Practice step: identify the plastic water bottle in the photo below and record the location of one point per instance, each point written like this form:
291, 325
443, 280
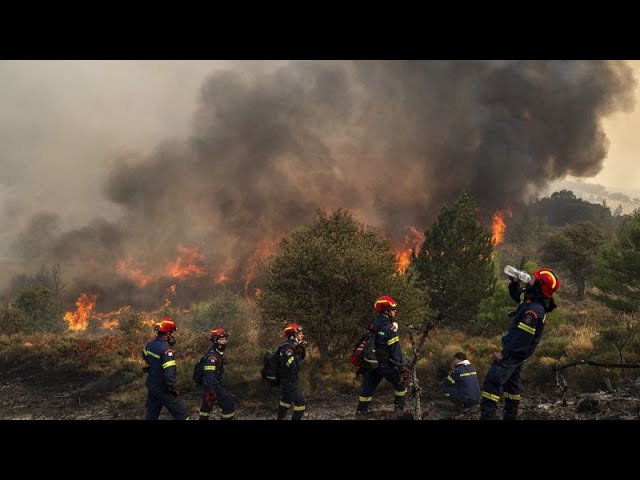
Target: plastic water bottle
519, 274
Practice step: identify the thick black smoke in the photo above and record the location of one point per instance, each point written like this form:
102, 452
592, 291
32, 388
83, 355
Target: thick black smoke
392, 141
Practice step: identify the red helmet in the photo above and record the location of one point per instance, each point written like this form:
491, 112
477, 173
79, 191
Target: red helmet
165, 325
549, 283
217, 334
384, 303
292, 329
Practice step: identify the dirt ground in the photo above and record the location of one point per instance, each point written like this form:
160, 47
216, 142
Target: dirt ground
29, 393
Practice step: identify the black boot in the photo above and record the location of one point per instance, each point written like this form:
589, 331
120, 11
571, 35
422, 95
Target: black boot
488, 410
510, 409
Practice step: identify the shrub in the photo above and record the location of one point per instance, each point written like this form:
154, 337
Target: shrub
130, 323
227, 310
35, 309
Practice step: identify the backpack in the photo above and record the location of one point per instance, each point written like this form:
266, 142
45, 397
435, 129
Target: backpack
271, 368
198, 370
364, 353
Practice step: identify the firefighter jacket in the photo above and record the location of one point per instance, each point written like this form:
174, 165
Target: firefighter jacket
525, 331
462, 384
290, 360
213, 369
162, 363
387, 341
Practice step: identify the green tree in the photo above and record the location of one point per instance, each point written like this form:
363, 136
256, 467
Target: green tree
618, 278
327, 275
492, 318
455, 262
576, 249
35, 309
563, 208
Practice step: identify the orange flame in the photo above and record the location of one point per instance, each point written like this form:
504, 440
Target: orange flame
127, 268
188, 263
223, 273
411, 243
263, 249
110, 320
79, 319
498, 227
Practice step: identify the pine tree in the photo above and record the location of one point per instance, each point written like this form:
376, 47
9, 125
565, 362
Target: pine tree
455, 262
619, 277
576, 249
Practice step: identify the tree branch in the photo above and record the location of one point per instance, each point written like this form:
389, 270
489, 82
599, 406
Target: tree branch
414, 382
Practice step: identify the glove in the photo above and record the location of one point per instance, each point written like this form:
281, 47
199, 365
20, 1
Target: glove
172, 389
404, 374
211, 397
146, 369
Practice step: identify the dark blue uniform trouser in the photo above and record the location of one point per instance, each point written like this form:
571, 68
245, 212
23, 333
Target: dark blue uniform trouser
290, 394
370, 382
158, 397
217, 396
504, 374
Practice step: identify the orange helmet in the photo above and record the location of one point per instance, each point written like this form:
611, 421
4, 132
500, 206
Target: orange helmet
292, 329
549, 283
384, 303
165, 325
217, 334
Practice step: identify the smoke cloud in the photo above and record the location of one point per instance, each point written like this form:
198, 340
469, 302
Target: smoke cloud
392, 141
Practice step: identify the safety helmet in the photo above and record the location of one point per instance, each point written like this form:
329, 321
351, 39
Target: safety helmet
165, 325
549, 283
384, 303
291, 329
217, 334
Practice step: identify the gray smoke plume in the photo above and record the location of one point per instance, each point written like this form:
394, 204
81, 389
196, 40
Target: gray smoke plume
392, 141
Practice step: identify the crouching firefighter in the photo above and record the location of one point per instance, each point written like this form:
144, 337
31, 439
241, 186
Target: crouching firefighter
212, 370
391, 364
518, 344
161, 373
461, 385
291, 355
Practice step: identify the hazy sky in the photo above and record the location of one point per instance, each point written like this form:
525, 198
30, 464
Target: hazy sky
622, 165
63, 123
223, 153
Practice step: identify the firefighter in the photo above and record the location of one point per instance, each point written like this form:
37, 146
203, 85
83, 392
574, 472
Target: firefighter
291, 355
518, 344
212, 390
461, 385
391, 362
161, 370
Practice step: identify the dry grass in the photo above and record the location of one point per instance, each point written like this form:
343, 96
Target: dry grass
572, 333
